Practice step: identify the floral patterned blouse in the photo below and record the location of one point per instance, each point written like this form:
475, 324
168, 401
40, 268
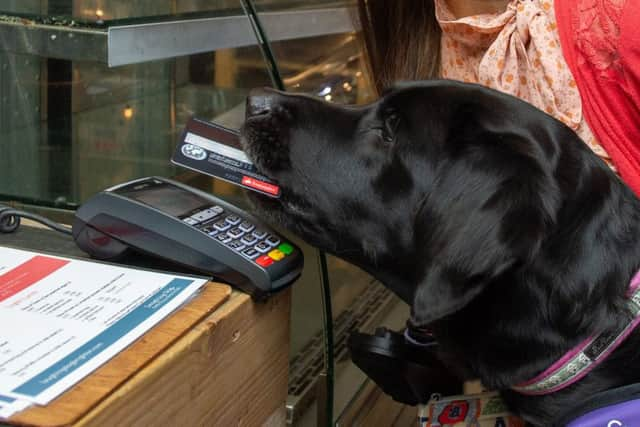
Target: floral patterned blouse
518, 52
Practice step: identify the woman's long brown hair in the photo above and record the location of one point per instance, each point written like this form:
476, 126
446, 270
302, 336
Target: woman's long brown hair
401, 40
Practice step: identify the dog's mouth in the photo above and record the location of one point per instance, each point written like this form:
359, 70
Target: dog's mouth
265, 138
261, 142
289, 211
265, 134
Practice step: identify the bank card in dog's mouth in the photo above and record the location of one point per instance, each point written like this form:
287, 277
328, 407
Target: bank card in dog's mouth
215, 150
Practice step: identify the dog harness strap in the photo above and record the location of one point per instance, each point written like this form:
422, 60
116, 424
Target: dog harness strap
583, 358
622, 414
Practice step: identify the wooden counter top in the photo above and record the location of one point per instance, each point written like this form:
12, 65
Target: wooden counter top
221, 360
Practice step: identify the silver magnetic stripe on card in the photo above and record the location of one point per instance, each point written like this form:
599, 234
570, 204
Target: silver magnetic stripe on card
216, 147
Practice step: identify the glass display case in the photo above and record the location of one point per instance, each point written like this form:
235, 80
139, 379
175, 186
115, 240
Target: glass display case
96, 92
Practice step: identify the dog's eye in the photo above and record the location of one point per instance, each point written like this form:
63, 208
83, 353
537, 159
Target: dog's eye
391, 123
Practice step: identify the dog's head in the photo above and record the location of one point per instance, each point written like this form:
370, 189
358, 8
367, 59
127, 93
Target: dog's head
437, 188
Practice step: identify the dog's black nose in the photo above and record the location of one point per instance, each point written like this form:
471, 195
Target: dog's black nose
261, 101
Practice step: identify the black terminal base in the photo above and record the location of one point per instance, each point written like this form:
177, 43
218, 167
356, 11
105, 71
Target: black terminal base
409, 373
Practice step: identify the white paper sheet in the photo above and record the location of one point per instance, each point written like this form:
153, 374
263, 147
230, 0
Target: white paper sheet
10, 406
60, 318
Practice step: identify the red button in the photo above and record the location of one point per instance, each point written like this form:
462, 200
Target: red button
264, 261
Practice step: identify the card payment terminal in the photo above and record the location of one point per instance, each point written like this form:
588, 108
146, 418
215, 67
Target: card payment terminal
170, 220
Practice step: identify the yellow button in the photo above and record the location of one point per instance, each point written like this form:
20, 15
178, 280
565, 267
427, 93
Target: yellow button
276, 255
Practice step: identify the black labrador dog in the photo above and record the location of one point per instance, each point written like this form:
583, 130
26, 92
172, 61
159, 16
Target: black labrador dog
505, 234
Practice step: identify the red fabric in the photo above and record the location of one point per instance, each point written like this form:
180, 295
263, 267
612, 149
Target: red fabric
601, 43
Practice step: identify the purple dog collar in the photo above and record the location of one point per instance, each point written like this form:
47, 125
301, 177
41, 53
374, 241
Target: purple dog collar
580, 360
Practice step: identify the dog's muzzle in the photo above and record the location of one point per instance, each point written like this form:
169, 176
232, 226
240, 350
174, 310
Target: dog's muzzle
266, 130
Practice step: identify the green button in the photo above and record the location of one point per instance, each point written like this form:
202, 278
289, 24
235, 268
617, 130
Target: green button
286, 248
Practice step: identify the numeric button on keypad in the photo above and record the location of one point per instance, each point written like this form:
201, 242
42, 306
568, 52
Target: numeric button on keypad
272, 240
246, 226
250, 253
235, 233
233, 219
249, 239
236, 245
224, 238
221, 225
262, 247
259, 233
207, 228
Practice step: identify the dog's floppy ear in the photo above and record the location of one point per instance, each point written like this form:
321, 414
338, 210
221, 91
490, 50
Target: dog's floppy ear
480, 221
444, 291
468, 249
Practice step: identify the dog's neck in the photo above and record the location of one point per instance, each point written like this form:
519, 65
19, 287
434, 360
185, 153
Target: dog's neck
530, 316
496, 327
526, 320
580, 360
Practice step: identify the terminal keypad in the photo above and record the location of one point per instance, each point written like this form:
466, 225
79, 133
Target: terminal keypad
240, 235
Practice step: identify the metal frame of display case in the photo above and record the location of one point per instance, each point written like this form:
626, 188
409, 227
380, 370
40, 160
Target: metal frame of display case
149, 41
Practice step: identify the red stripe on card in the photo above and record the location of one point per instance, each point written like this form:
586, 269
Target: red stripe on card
28, 273
261, 185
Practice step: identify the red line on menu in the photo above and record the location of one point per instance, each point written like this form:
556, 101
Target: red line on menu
28, 273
